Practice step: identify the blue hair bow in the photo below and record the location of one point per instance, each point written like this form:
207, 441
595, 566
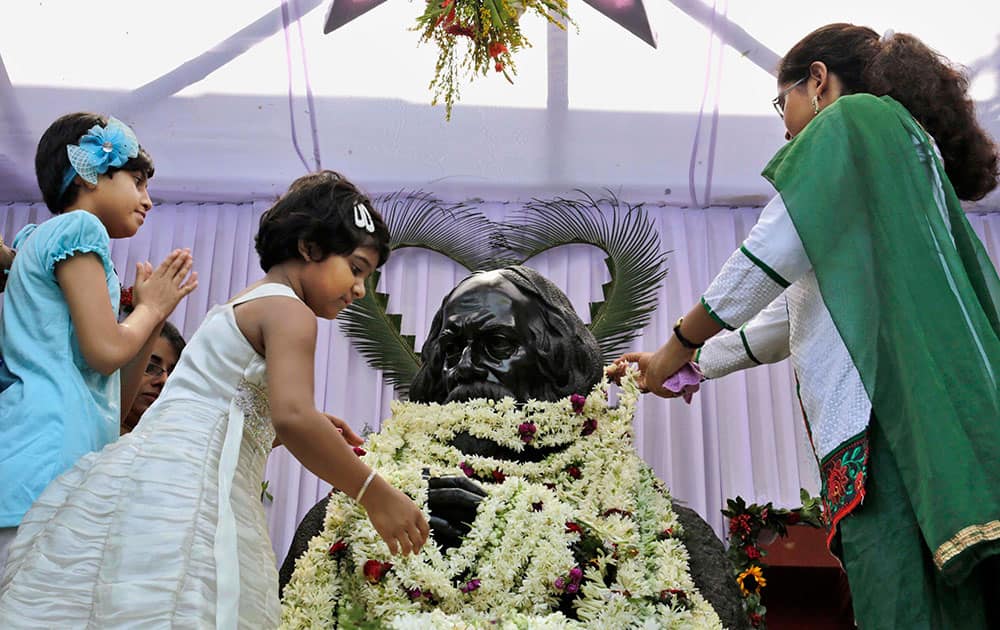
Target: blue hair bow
99, 149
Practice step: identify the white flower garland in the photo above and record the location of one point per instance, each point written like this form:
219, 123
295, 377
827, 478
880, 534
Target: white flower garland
588, 528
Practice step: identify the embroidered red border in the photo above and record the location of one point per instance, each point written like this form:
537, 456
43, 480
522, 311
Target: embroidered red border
843, 473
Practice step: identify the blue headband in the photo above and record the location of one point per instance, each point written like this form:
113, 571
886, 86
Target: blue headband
99, 149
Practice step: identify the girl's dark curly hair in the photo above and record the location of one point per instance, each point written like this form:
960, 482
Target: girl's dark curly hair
934, 90
318, 210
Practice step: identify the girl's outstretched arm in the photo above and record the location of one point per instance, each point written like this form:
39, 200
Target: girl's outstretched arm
105, 344
288, 334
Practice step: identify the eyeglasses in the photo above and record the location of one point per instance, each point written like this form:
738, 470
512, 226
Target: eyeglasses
779, 100
155, 370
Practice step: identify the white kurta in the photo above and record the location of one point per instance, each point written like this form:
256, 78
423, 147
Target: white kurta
768, 299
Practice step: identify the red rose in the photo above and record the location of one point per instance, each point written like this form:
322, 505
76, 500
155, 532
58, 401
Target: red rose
359, 451
375, 570
338, 547
498, 475
573, 528
573, 471
752, 552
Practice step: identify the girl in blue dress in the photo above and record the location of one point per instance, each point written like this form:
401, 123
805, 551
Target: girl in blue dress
68, 363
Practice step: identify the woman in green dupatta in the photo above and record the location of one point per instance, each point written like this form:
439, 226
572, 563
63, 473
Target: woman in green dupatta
865, 270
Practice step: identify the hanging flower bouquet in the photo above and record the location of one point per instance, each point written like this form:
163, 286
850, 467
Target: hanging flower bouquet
494, 34
584, 538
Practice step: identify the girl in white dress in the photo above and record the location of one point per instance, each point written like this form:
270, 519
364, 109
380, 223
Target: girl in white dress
165, 528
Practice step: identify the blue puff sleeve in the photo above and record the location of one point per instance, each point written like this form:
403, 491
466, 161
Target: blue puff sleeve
74, 233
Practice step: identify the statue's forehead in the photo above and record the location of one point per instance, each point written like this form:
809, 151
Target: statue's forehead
487, 295
486, 286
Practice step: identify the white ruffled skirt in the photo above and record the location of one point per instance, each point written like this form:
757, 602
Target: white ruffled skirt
132, 537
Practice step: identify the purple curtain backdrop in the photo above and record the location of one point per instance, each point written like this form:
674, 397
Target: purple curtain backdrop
742, 435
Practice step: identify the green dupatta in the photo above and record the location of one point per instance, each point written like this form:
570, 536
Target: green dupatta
916, 307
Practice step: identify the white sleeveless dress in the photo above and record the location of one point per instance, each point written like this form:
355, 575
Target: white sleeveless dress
165, 527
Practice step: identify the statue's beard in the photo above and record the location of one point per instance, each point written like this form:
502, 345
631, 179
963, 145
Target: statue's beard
471, 445
481, 389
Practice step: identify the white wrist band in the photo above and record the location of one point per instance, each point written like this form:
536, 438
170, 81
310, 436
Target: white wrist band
364, 486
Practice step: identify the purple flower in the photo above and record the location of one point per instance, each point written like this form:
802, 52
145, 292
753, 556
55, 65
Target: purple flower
578, 401
560, 583
572, 588
470, 586
467, 469
589, 426
527, 431
414, 593
575, 574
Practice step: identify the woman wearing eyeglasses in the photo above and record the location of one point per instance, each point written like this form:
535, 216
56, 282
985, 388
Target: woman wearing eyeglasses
166, 353
865, 271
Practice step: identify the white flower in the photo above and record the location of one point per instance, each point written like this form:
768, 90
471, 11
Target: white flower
519, 544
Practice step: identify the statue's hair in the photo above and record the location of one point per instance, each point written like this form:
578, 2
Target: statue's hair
569, 355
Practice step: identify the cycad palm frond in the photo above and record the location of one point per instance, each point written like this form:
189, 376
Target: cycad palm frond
414, 220
634, 259
454, 230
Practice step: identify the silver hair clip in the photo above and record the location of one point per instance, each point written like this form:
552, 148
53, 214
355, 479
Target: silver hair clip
363, 218
887, 35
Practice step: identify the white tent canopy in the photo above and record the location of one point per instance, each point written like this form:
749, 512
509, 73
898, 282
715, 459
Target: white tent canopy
207, 85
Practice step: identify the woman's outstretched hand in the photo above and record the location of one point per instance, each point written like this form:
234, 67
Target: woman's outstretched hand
655, 367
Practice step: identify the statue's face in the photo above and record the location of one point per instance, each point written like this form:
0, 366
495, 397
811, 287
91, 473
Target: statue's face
485, 341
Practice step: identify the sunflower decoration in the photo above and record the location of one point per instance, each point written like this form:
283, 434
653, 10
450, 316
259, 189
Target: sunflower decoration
477, 36
751, 581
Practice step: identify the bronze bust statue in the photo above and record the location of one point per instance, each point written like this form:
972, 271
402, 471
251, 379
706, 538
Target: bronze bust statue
513, 333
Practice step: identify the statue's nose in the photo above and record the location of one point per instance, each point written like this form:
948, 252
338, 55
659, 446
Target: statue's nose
466, 365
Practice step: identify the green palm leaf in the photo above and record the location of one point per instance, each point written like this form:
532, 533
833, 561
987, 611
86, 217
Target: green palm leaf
634, 260
414, 220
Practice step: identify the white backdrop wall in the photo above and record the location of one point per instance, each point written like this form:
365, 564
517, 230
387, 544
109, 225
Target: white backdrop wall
742, 435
